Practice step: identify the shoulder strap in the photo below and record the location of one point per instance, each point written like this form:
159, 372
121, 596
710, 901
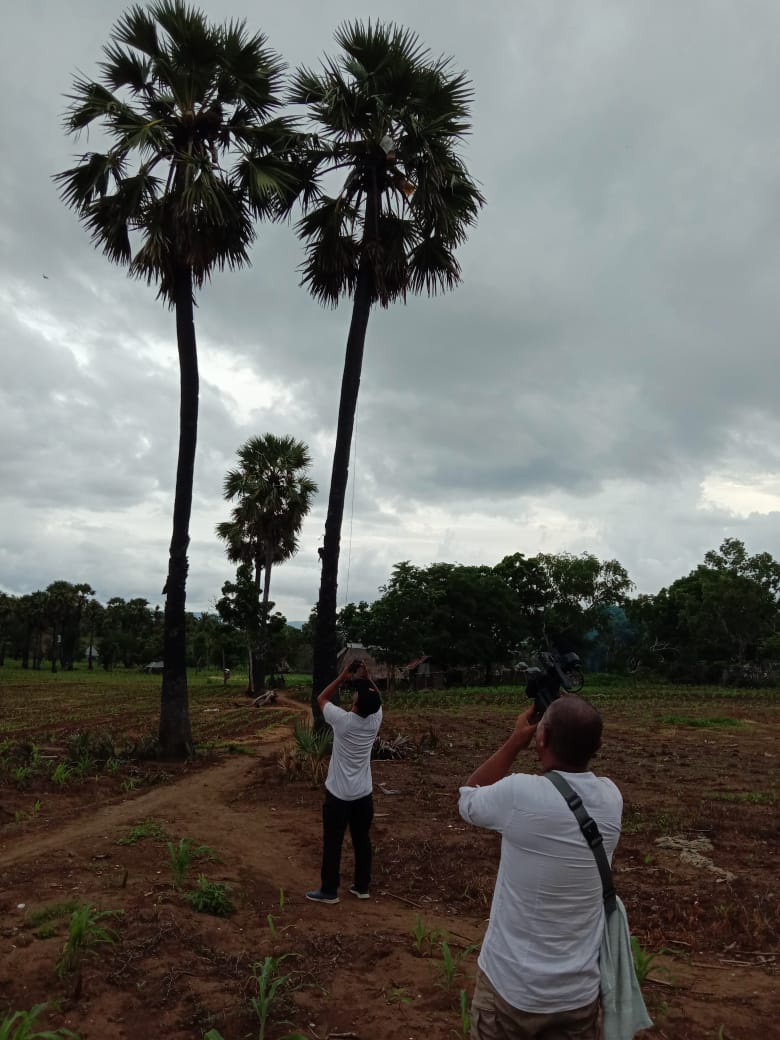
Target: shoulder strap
592, 835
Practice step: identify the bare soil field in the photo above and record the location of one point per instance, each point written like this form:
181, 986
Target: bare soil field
696, 867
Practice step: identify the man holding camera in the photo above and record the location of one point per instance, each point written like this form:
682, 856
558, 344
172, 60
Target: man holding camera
538, 971
348, 786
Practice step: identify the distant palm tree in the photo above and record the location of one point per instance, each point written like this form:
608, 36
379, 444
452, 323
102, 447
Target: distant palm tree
192, 158
273, 495
387, 118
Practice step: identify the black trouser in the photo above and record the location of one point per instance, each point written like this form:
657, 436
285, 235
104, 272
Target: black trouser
336, 815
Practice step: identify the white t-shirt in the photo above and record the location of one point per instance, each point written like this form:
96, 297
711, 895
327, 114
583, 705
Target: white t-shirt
349, 771
541, 948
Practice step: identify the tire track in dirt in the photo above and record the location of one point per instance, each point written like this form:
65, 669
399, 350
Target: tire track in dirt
193, 799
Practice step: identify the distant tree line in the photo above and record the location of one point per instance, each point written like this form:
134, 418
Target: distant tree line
65, 626
720, 623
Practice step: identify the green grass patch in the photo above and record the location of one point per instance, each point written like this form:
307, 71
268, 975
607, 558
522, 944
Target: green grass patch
147, 829
743, 797
714, 722
47, 917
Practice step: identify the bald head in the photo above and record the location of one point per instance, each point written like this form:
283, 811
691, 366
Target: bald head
571, 731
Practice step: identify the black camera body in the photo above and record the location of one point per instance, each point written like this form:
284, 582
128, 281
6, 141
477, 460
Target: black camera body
544, 684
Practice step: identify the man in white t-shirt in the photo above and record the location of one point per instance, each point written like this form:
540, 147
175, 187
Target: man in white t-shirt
539, 964
349, 800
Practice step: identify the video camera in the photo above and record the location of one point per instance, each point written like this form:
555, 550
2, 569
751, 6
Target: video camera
544, 684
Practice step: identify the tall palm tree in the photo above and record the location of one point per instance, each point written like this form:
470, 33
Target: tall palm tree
273, 494
194, 154
388, 118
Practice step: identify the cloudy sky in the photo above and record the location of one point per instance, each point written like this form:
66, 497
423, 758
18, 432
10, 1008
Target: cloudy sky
604, 379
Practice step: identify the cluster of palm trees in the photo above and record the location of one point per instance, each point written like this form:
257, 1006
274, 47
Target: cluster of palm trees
198, 152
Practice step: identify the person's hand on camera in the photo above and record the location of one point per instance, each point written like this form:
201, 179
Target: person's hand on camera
525, 728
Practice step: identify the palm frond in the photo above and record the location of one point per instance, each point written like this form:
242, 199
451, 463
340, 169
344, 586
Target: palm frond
433, 267
122, 68
81, 185
137, 28
388, 116
192, 101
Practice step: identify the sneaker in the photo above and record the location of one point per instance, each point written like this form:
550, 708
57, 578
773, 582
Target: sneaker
359, 894
319, 896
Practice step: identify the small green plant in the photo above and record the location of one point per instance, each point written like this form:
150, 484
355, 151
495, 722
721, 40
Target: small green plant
643, 960
85, 933
147, 829
62, 773
465, 1013
22, 775
131, 784
281, 899
276, 930
399, 995
182, 857
313, 748
450, 962
269, 981
422, 935
45, 918
649, 859
113, 765
20, 1025
211, 897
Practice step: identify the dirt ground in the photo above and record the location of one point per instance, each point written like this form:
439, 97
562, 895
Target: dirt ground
696, 867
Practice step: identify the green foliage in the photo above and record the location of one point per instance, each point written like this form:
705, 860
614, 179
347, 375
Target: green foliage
312, 749
183, 855
211, 897
423, 935
147, 829
718, 722
51, 913
84, 935
465, 1013
743, 797
271, 984
451, 962
643, 960
20, 1025
62, 774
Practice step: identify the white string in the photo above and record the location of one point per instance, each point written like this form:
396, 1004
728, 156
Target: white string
352, 511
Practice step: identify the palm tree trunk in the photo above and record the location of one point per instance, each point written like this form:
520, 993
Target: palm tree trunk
325, 643
175, 734
261, 659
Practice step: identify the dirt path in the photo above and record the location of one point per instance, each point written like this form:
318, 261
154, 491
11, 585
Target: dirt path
177, 973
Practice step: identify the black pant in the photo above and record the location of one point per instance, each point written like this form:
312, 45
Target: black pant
336, 815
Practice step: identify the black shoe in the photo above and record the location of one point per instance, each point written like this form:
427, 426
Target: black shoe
319, 896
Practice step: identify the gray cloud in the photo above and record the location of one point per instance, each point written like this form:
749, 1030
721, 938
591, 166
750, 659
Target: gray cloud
608, 356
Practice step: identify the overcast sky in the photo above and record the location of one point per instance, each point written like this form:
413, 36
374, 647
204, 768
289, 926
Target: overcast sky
603, 380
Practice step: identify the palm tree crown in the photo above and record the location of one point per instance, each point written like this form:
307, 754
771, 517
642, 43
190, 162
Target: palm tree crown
273, 496
388, 116
193, 154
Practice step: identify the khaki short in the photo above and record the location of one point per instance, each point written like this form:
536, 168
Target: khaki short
493, 1019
